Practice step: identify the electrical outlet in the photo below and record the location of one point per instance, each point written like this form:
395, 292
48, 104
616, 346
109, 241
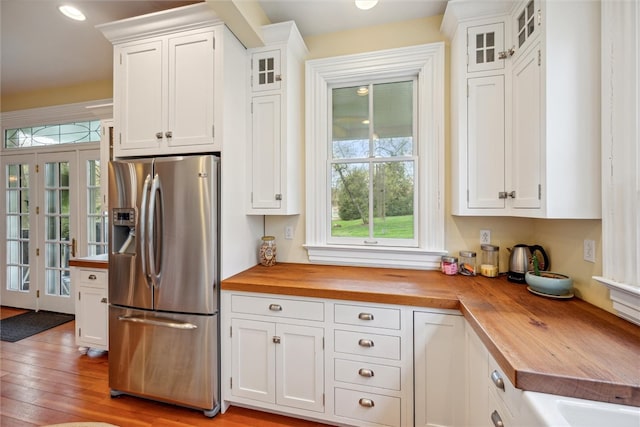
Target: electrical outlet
485, 237
589, 250
288, 232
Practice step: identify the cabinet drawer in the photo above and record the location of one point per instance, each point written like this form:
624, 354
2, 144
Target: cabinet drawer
365, 344
374, 408
369, 374
378, 317
92, 277
279, 307
510, 395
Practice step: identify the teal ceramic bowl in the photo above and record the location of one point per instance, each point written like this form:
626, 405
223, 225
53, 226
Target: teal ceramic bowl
549, 283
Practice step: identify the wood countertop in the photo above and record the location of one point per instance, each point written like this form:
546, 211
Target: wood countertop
96, 261
563, 347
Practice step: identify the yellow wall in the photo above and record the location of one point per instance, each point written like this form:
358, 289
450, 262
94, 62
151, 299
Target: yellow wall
57, 96
562, 239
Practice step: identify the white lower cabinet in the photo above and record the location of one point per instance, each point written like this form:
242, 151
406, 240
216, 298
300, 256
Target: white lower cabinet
274, 357
438, 361
92, 308
491, 398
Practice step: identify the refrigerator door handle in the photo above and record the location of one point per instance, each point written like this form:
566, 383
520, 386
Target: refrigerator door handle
158, 321
155, 267
143, 230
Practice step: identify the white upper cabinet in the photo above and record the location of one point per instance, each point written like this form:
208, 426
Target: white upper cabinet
276, 134
164, 81
525, 108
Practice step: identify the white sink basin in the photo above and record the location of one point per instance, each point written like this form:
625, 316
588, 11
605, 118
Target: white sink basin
541, 409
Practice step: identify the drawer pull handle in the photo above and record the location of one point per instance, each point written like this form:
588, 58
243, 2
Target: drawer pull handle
364, 372
365, 316
367, 403
92, 277
275, 307
497, 380
497, 421
103, 300
365, 342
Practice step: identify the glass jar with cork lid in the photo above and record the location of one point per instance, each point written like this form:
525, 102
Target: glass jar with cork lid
267, 252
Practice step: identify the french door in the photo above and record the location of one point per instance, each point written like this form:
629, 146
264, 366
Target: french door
43, 220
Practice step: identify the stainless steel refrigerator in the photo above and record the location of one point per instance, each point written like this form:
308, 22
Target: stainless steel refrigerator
163, 280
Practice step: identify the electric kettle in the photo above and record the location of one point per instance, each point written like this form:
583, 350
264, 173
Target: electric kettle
520, 261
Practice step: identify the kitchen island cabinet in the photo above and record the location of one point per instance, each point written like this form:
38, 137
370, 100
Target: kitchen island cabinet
90, 279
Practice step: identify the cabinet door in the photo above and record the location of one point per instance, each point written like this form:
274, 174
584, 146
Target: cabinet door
526, 25
190, 87
486, 142
253, 360
485, 43
299, 369
525, 159
439, 379
266, 190
265, 70
139, 97
477, 390
92, 317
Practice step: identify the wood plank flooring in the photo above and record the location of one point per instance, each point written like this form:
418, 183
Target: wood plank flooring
45, 379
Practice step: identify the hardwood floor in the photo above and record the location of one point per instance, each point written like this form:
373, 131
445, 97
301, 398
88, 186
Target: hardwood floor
45, 379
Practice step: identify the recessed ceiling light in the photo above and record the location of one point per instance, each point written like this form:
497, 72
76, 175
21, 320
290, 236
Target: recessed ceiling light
72, 12
366, 4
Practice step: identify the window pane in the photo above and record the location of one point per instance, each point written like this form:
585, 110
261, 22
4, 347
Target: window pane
350, 136
393, 200
350, 200
94, 201
38, 136
52, 231
12, 201
393, 119
13, 227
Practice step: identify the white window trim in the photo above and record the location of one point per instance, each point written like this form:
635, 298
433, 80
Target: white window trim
621, 157
427, 62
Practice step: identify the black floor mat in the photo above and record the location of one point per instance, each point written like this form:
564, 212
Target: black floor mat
24, 325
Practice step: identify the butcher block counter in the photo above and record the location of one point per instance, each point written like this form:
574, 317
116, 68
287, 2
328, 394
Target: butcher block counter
563, 347
95, 261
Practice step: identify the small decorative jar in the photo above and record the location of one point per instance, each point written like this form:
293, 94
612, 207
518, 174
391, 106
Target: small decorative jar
467, 265
267, 253
449, 265
489, 264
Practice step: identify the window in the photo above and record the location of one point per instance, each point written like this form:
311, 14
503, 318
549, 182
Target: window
42, 136
375, 158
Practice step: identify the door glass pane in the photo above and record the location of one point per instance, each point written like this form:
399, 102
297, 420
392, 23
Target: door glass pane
96, 215
17, 244
57, 232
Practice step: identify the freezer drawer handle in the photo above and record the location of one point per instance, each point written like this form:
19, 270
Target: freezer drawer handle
275, 307
158, 322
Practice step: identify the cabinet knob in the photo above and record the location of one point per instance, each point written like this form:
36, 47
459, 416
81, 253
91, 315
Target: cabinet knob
366, 403
364, 372
275, 307
159, 135
278, 196
276, 340
278, 77
512, 194
103, 300
92, 277
363, 342
365, 316
497, 380
168, 134
497, 421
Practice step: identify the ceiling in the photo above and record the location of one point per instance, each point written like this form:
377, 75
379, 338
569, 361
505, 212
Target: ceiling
40, 48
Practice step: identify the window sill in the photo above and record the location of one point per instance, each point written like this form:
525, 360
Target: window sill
410, 258
626, 299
